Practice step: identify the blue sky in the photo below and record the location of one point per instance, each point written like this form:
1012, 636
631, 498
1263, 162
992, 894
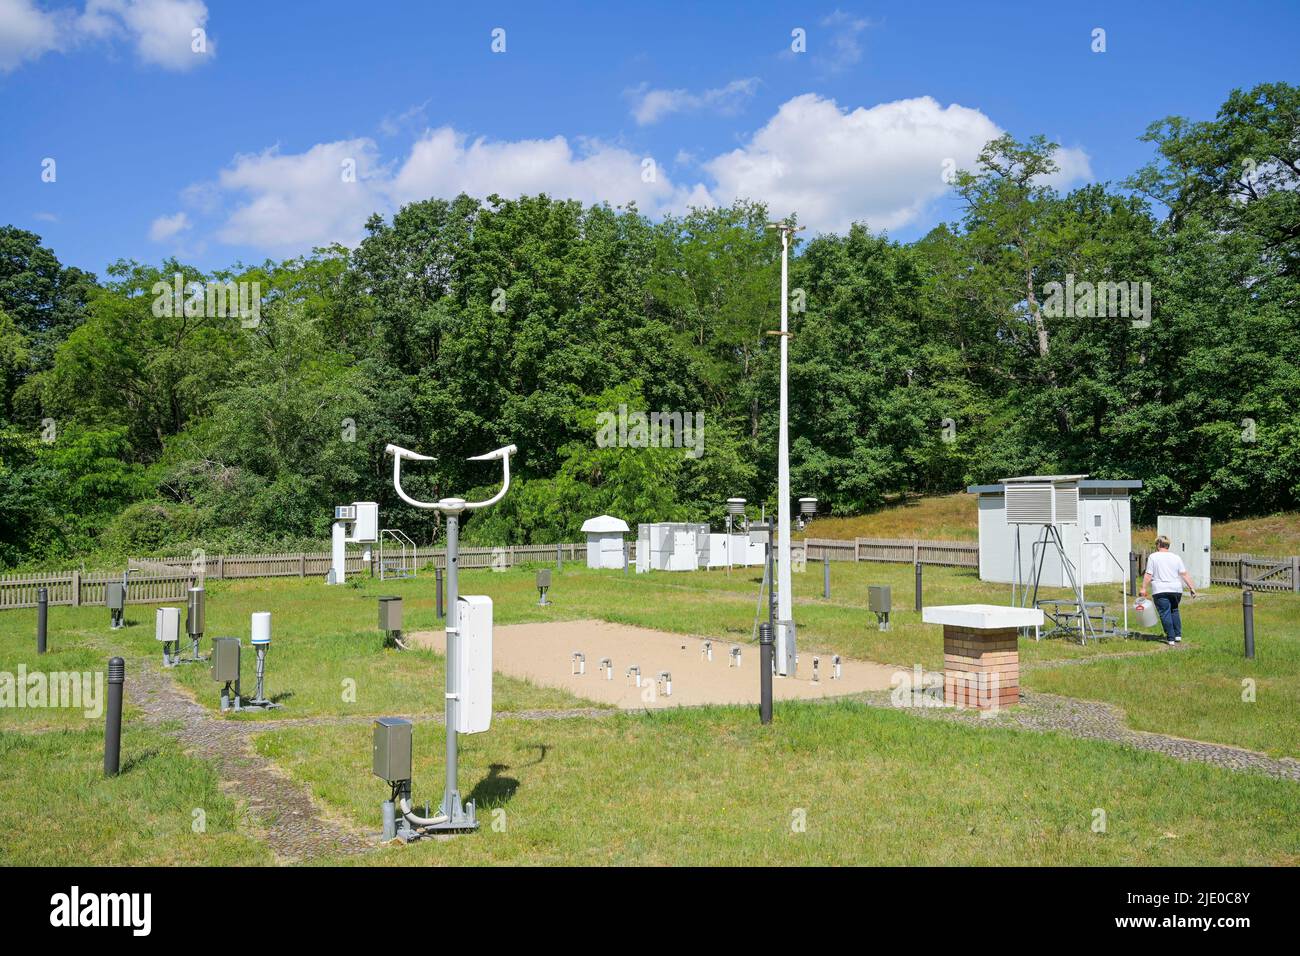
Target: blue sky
240, 151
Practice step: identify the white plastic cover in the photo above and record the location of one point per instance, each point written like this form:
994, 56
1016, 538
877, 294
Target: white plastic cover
261, 627
167, 624
474, 666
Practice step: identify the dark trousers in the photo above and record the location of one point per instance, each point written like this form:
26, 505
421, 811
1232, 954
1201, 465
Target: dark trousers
1167, 608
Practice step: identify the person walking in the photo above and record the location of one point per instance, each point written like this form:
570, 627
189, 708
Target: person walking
1165, 576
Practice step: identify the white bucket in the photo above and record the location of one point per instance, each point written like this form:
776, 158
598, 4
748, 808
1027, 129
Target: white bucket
1145, 608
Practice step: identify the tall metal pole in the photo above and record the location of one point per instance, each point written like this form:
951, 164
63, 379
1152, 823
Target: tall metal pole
451, 794
784, 610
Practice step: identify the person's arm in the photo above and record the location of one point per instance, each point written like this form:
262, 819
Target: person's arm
1146, 583
1187, 579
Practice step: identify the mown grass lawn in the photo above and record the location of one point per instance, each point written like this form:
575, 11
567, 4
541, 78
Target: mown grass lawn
164, 809
703, 785
838, 783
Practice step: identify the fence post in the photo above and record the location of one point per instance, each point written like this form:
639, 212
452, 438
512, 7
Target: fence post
1295, 573
1241, 571
221, 567
76, 589
302, 564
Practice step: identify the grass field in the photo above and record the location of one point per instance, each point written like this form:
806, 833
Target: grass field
872, 786
702, 785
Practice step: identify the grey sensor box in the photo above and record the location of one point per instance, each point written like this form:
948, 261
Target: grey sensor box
392, 748
878, 598
114, 595
390, 614
225, 659
544, 578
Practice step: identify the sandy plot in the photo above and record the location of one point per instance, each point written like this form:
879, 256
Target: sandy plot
543, 654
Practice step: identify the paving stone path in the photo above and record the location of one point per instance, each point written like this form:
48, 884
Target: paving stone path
1093, 720
288, 820
282, 811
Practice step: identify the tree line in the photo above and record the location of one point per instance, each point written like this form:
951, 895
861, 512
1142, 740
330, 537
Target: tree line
1146, 329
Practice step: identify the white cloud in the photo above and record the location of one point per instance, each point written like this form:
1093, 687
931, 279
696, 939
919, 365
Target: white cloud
1075, 166
882, 166
162, 30
287, 203
650, 106
28, 33
841, 41
164, 227
296, 201
444, 162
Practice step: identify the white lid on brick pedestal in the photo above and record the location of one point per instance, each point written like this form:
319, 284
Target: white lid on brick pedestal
982, 616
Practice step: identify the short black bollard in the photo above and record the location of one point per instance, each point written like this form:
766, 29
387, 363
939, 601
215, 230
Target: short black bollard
113, 717
1132, 572
42, 618
918, 585
765, 648
437, 573
826, 576
1248, 621
625, 561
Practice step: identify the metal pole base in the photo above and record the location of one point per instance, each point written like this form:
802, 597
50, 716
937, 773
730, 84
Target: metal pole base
194, 655
459, 817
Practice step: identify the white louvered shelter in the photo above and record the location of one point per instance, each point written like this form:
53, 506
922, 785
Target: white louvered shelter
1092, 516
605, 541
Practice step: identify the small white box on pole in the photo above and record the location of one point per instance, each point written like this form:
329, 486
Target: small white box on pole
474, 664
167, 624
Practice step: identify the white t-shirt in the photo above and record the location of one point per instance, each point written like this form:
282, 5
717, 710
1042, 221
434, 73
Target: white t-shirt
1165, 568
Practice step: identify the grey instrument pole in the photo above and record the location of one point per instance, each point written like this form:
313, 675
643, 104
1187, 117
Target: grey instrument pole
455, 814
451, 805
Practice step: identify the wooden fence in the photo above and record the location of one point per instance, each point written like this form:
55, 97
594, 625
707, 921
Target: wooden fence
954, 554
76, 588
160, 580
1258, 572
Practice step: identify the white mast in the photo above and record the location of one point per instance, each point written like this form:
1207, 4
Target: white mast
784, 610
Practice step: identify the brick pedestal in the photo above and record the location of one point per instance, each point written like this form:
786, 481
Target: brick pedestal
981, 657
981, 668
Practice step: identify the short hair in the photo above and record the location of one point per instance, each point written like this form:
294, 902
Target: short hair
1162, 543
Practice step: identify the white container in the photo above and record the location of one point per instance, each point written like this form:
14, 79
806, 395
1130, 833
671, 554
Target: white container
1145, 608
261, 627
167, 624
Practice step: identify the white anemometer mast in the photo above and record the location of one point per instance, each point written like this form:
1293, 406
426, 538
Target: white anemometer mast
461, 716
785, 653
